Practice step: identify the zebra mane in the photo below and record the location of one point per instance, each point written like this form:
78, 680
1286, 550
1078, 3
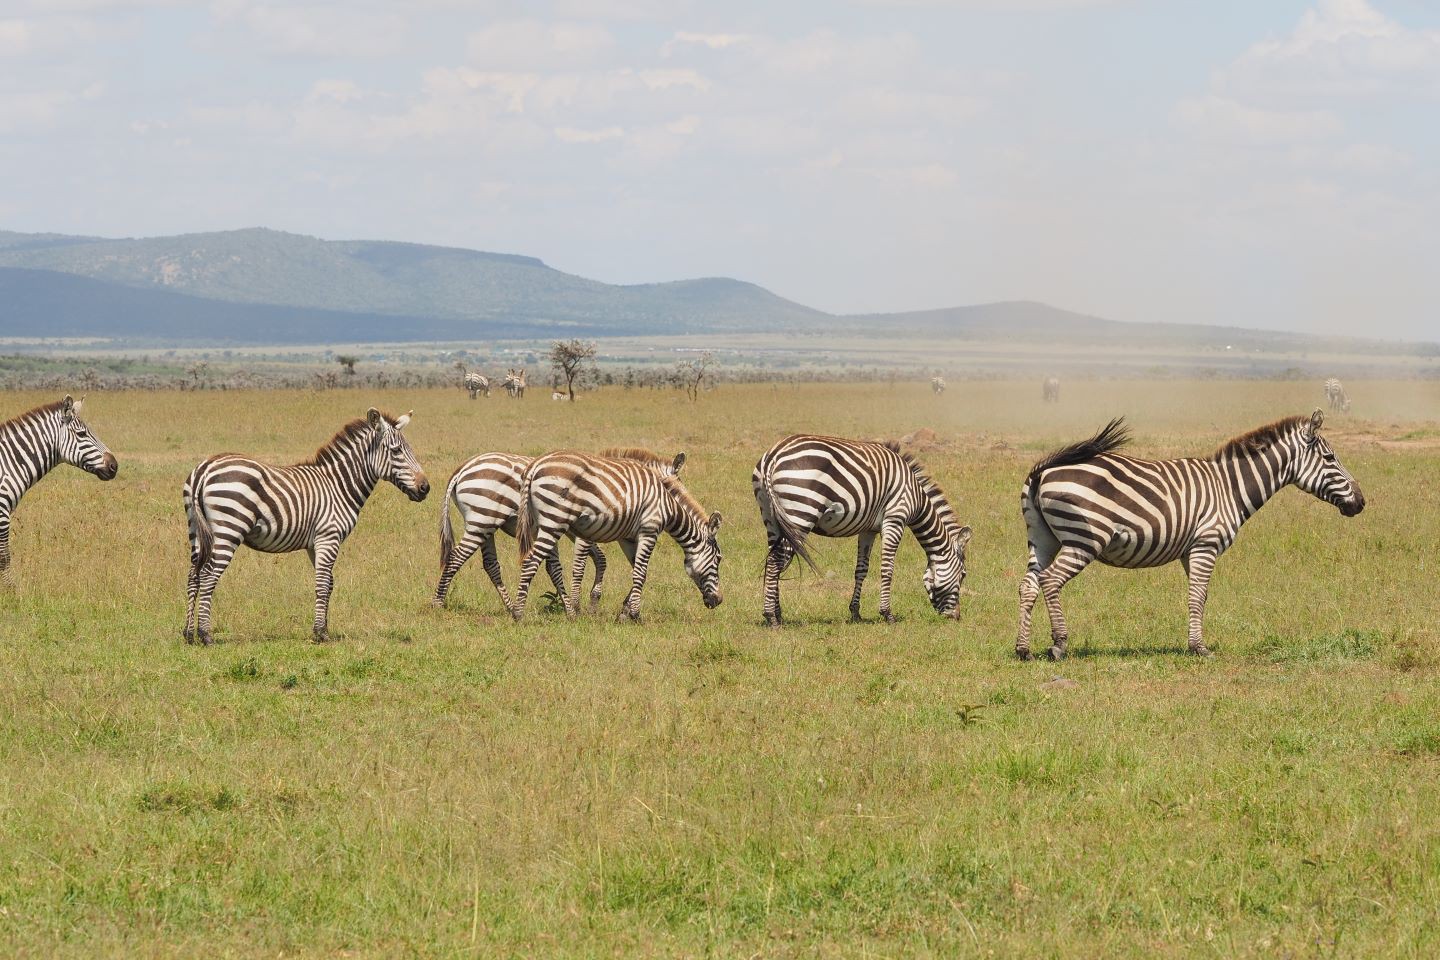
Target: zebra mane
685, 497
34, 414
927, 482
642, 454
331, 450
1258, 439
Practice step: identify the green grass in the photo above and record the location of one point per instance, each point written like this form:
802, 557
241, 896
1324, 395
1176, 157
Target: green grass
447, 783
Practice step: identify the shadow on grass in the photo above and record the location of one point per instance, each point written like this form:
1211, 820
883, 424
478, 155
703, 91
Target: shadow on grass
1122, 653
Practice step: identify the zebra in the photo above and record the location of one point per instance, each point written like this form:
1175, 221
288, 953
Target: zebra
856, 488
312, 505
515, 383
937, 385
31, 445
603, 499
1336, 396
486, 491
1085, 502
1052, 389
557, 395
476, 383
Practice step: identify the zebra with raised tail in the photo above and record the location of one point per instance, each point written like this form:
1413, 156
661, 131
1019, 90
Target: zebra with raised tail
605, 499
856, 488
1086, 502
486, 491
34, 443
1336, 396
312, 505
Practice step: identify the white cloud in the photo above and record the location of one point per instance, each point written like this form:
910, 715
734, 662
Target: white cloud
321, 30
1340, 48
1218, 118
712, 41
340, 91
573, 135
534, 45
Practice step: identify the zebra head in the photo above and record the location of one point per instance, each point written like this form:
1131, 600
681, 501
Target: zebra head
1320, 473
945, 573
78, 447
392, 457
702, 561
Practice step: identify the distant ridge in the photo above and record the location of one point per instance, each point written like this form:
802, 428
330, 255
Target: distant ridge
266, 286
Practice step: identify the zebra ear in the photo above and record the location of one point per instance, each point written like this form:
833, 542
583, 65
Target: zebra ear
963, 537
677, 463
67, 405
715, 519
404, 421
1313, 427
373, 417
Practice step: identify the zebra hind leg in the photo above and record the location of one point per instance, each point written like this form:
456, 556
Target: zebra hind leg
1068, 562
491, 562
597, 556
463, 551
7, 580
221, 554
644, 546
776, 561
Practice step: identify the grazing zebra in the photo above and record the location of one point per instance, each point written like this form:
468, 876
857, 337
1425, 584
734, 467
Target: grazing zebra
486, 491
1052, 389
515, 383
476, 383
313, 505
603, 499
34, 443
1336, 396
855, 488
1084, 502
937, 385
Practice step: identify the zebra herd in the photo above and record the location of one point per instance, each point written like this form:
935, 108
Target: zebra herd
476, 383
1084, 502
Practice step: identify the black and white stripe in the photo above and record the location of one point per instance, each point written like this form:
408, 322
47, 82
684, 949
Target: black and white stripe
855, 488
1085, 502
230, 500
1336, 396
486, 491
937, 385
604, 499
515, 383
33, 444
476, 384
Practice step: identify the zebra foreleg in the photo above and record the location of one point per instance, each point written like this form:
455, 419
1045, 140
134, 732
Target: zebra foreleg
644, 545
557, 576
890, 535
779, 557
863, 545
1067, 563
540, 551
1199, 565
7, 579
463, 551
323, 554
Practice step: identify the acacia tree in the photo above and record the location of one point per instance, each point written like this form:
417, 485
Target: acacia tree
692, 373
348, 361
569, 358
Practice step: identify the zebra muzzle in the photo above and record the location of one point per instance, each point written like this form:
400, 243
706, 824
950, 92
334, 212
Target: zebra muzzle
109, 466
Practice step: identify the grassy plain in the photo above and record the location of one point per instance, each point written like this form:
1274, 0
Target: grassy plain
446, 783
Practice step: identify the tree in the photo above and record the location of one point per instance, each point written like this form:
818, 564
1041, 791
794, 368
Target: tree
348, 361
692, 373
569, 358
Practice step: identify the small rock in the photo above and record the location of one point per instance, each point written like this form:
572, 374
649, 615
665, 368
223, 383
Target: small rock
1060, 683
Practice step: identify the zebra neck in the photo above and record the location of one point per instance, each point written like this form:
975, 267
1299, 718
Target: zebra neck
930, 524
1254, 477
28, 454
352, 473
682, 525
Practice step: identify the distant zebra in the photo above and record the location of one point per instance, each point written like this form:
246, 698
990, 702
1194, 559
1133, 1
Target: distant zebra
33, 444
515, 383
937, 385
856, 488
313, 505
1084, 502
1336, 396
486, 491
1052, 389
557, 395
604, 499
476, 383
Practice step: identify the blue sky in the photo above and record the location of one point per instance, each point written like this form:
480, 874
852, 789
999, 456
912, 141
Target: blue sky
1269, 164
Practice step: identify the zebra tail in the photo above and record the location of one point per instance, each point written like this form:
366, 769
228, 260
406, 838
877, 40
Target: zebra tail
1111, 437
204, 533
788, 531
527, 520
447, 533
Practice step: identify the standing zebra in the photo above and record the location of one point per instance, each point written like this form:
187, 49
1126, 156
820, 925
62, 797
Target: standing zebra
1052, 389
486, 491
937, 385
604, 499
313, 505
31, 445
1084, 502
476, 383
855, 488
1336, 396
515, 383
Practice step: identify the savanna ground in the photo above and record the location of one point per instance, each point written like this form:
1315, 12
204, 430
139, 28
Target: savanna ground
446, 783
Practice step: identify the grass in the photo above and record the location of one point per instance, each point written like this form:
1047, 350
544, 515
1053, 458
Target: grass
447, 783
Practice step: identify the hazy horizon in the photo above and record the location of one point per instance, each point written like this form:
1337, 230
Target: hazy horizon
1269, 166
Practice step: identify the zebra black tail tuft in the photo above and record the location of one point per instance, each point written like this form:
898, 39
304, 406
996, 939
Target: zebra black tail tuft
1112, 436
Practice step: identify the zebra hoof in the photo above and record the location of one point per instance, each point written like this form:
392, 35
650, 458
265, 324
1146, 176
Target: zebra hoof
1025, 654
320, 636
438, 603
1057, 653
887, 616
1201, 651
203, 638
772, 622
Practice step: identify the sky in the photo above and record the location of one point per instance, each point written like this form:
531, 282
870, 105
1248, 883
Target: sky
1271, 164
